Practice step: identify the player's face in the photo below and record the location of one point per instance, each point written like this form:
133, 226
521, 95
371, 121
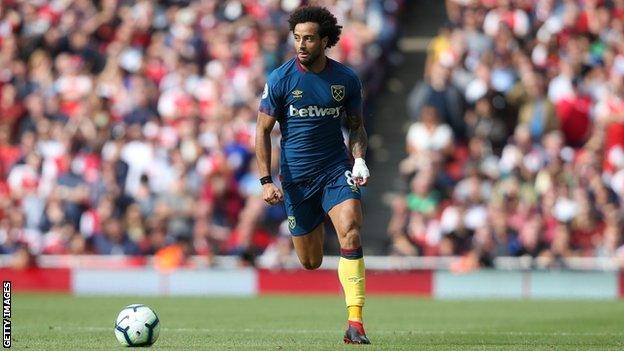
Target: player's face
308, 43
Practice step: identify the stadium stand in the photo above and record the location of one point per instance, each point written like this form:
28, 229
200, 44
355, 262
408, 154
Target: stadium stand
126, 127
516, 145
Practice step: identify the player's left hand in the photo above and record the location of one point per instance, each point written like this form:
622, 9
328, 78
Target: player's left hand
360, 172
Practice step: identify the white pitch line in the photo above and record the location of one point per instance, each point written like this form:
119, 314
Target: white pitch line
383, 332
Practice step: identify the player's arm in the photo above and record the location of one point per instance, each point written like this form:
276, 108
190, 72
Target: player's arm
358, 140
358, 143
264, 126
271, 193
271, 105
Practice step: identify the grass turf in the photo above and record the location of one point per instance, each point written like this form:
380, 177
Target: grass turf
61, 322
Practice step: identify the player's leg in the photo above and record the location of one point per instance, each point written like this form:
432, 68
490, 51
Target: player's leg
342, 201
347, 219
309, 247
305, 222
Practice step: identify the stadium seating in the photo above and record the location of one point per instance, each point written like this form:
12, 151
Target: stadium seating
516, 145
127, 127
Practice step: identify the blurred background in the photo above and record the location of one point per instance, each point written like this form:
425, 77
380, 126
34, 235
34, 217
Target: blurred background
496, 132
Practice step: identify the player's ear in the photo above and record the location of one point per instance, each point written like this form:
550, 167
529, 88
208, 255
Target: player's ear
324, 41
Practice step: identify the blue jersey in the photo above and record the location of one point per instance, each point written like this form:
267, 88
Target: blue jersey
308, 107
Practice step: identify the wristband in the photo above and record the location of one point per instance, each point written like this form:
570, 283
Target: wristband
266, 180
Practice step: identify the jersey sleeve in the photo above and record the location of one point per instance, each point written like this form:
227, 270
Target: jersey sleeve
356, 92
271, 101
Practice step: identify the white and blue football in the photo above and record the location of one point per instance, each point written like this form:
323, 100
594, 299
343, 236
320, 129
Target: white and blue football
137, 325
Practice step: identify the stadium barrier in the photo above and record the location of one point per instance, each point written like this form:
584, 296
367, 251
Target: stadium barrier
426, 277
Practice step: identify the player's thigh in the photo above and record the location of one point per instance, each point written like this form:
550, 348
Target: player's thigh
305, 222
339, 188
341, 200
303, 209
309, 247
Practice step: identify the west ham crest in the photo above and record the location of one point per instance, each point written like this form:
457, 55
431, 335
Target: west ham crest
338, 92
292, 223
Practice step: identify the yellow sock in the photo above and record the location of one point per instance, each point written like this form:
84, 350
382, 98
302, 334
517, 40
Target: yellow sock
355, 313
352, 278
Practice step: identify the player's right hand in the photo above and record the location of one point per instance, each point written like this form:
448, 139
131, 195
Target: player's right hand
272, 194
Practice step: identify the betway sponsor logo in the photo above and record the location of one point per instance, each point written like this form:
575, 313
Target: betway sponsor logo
314, 111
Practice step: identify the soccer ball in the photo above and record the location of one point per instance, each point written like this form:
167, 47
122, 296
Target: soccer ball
137, 325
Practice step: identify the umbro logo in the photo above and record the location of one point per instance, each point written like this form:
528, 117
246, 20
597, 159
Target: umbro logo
297, 94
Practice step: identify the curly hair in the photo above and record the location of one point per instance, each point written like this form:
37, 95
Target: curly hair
328, 24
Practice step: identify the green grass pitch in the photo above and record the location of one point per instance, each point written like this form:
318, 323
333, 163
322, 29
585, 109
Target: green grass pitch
62, 322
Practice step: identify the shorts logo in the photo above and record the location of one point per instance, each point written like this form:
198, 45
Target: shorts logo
292, 223
297, 94
338, 92
351, 182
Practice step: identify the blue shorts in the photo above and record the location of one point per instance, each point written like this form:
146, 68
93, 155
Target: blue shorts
307, 201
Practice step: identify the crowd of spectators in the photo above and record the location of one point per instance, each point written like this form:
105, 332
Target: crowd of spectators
516, 145
128, 125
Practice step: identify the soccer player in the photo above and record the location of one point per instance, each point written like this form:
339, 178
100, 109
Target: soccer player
308, 96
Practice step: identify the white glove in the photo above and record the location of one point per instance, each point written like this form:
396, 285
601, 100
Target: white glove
360, 173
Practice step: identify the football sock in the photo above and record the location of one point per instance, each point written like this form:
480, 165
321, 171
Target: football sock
355, 313
352, 279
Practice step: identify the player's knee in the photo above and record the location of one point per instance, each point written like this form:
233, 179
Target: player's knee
311, 263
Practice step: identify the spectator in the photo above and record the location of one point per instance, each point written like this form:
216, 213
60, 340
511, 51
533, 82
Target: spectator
537, 113
541, 171
130, 123
438, 92
114, 240
429, 134
573, 111
482, 123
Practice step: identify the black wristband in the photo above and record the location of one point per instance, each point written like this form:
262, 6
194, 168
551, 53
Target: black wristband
266, 180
